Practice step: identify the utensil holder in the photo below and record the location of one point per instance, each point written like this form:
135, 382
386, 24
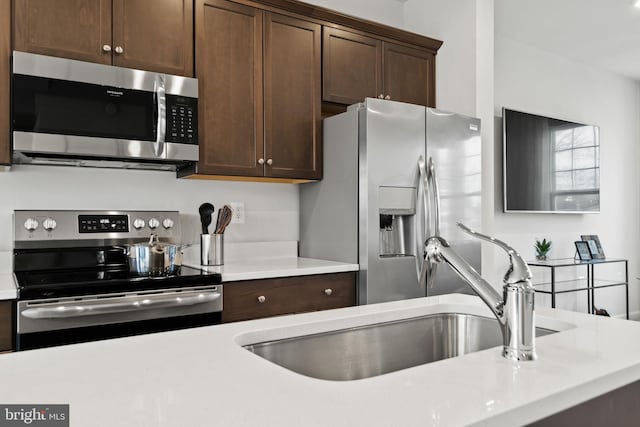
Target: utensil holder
212, 249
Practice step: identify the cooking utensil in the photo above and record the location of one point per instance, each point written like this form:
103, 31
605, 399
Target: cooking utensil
224, 218
154, 258
206, 211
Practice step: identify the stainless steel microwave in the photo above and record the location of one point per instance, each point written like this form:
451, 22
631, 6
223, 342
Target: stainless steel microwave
68, 112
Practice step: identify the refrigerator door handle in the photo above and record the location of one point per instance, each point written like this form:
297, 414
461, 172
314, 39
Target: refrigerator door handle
421, 222
431, 209
432, 182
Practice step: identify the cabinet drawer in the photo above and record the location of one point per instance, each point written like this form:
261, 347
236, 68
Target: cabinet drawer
6, 326
256, 299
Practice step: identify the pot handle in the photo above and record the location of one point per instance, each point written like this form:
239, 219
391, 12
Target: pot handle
124, 249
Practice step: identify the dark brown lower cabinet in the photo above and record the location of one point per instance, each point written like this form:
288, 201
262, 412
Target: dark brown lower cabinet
6, 326
254, 299
616, 408
5, 59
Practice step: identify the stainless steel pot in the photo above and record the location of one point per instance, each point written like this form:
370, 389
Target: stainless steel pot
154, 258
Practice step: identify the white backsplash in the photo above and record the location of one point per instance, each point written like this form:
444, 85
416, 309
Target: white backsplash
271, 210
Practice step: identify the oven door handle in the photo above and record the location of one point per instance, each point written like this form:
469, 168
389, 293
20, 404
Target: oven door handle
102, 307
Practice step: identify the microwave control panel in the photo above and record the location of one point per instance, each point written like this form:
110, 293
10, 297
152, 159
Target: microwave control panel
182, 119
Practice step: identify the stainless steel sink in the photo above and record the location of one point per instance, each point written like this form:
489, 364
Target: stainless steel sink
368, 351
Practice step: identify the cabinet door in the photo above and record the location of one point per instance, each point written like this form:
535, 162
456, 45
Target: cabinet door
351, 66
76, 29
229, 69
292, 104
6, 322
155, 36
5, 59
409, 74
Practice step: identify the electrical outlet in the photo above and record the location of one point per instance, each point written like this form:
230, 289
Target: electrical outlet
238, 212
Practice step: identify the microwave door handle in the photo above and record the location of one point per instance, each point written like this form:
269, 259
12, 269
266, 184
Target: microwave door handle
161, 99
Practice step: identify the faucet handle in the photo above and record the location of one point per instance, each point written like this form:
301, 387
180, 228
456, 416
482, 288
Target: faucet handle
518, 270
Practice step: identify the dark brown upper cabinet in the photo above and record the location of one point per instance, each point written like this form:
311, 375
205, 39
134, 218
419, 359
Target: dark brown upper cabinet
292, 104
356, 66
351, 66
155, 36
409, 74
259, 79
229, 72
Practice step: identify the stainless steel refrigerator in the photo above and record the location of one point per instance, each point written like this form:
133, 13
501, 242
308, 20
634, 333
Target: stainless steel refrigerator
372, 206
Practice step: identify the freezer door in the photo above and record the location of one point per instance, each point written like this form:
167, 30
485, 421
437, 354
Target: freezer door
391, 140
454, 144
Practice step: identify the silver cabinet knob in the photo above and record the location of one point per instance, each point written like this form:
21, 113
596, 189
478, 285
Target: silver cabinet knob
154, 223
118, 50
167, 223
328, 291
138, 223
269, 162
261, 161
49, 224
262, 299
106, 48
31, 224
381, 96
387, 97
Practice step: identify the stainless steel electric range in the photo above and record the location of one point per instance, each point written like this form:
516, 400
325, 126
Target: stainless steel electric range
75, 285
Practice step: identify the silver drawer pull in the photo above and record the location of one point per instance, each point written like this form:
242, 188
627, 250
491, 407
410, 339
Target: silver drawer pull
328, 291
262, 299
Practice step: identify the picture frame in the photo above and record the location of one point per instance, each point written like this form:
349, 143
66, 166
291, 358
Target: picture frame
595, 248
582, 247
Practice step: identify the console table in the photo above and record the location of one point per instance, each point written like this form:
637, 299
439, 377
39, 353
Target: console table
589, 285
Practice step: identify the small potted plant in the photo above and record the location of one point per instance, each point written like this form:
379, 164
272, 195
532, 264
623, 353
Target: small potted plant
542, 249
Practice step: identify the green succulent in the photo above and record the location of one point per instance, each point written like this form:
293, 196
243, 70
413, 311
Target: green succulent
543, 247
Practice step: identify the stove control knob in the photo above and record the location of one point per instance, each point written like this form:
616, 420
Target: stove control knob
154, 223
138, 223
31, 224
49, 224
167, 223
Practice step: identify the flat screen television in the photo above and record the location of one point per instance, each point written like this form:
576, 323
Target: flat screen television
549, 165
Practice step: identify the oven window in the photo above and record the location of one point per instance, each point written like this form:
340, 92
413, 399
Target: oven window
55, 106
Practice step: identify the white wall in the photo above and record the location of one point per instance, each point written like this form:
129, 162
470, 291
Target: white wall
271, 209
533, 80
389, 12
453, 22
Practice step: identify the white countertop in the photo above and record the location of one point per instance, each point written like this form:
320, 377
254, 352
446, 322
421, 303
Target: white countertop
266, 268
7, 287
203, 377
7, 283
265, 260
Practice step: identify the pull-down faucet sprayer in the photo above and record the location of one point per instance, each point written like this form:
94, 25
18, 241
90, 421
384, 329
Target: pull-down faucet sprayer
515, 310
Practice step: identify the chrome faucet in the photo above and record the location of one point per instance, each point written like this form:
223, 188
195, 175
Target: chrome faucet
514, 310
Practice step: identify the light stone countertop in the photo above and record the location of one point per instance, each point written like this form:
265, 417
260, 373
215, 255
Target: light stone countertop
265, 260
203, 377
7, 282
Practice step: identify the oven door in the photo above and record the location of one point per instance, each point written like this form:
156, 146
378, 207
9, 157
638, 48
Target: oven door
44, 323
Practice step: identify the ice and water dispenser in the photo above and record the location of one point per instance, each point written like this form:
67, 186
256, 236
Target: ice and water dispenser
397, 208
